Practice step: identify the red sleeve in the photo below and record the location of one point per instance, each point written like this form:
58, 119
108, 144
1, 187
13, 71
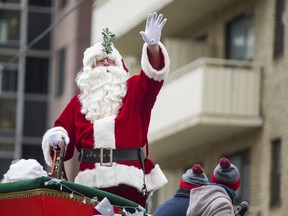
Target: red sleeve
148, 90
66, 120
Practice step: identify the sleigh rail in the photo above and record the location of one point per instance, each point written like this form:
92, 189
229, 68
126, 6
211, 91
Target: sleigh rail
51, 197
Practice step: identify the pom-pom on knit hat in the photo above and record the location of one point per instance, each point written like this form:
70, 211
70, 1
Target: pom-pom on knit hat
227, 174
194, 177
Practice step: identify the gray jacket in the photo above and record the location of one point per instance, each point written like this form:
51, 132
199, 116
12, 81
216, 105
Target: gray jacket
210, 200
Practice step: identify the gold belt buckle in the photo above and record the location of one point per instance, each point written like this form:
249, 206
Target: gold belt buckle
110, 163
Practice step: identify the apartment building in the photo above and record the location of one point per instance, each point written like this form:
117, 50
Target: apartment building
41, 48
24, 76
226, 94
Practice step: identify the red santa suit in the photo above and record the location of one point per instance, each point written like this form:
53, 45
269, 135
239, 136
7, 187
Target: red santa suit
126, 130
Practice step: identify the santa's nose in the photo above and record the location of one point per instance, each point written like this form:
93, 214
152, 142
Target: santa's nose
106, 62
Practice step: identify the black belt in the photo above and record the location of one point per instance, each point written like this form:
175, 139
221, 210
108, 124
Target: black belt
106, 156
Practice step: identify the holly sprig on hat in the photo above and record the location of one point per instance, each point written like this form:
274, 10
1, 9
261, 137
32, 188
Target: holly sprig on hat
108, 39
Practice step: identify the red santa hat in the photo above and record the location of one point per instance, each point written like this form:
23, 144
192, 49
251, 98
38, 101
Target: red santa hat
194, 177
227, 174
97, 51
104, 49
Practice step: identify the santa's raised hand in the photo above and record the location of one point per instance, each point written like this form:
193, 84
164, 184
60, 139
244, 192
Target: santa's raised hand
154, 25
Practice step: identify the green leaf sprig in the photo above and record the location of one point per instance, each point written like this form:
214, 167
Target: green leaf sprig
108, 39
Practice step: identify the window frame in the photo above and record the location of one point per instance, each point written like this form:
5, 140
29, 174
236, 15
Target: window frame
275, 174
60, 71
242, 157
245, 19
279, 31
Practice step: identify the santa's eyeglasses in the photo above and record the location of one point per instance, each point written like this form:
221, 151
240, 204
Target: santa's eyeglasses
97, 61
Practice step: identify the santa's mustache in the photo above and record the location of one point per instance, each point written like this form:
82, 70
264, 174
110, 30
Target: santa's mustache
99, 76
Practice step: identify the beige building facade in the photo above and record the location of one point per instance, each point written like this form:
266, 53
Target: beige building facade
227, 92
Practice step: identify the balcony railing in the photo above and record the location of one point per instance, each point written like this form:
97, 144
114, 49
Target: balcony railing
205, 101
183, 51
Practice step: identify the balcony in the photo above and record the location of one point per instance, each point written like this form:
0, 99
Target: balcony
126, 22
204, 102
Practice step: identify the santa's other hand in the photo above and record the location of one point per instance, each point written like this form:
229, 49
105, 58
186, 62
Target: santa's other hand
55, 139
154, 25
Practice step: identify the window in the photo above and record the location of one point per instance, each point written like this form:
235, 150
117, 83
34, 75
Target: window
61, 60
10, 1
240, 38
9, 28
8, 80
275, 173
279, 28
35, 28
35, 121
7, 116
36, 75
43, 3
241, 161
7, 146
33, 151
5, 164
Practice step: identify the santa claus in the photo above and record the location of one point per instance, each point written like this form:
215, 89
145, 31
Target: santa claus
107, 122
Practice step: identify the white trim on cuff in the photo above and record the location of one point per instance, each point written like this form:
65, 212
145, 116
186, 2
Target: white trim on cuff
46, 145
157, 75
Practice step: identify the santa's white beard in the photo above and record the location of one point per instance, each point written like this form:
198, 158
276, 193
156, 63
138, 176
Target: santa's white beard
102, 90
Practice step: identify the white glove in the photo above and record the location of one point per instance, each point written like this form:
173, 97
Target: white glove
56, 137
153, 28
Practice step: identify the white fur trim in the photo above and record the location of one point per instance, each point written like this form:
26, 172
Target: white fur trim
104, 135
96, 50
149, 70
46, 145
155, 179
102, 177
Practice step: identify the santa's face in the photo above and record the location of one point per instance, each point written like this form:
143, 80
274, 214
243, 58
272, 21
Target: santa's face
103, 61
102, 89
